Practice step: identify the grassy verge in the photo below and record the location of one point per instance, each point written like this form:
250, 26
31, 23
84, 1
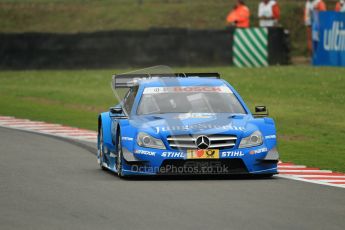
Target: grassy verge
307, 103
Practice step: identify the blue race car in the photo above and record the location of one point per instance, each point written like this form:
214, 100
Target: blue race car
184, 124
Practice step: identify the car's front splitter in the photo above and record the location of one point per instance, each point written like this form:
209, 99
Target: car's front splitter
257, 160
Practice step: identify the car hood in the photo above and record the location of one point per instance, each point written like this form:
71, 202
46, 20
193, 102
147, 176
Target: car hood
187, 123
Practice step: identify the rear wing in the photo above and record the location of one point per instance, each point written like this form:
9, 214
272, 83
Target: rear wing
130, 80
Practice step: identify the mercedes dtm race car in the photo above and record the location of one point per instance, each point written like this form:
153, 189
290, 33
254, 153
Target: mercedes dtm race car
184, 123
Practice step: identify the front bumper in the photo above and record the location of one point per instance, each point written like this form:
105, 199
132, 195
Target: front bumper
256, 160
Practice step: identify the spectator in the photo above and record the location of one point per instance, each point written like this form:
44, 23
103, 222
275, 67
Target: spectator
308, 11
239, 16
319, 5
340, 6
269, 13
312, 7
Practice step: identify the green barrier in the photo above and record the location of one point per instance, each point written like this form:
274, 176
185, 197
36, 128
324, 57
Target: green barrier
250, 47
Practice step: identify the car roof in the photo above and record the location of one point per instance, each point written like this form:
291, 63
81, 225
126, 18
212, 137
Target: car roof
181, 81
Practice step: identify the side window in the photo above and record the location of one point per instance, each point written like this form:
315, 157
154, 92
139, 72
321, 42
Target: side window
129, 100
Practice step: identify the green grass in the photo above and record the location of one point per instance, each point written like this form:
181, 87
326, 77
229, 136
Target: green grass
308, 104
71, 16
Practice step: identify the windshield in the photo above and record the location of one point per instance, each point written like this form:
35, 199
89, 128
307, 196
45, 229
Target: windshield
122, 83
194, 99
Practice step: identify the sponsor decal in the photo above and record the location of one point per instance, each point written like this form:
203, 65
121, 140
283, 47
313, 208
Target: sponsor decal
195, 116
202, 126
270, 137
127, 138
233, 154
191, 89
334, 38
173, 154
203, 154
257, 151
105, 149
144, 152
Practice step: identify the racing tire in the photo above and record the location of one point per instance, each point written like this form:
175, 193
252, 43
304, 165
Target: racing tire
119, 159
101, 154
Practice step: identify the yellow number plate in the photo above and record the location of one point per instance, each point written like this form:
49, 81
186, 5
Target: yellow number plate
203, 154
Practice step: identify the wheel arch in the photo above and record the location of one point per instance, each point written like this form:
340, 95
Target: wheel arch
105, 124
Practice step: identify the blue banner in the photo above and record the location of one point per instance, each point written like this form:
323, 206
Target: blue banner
329, 39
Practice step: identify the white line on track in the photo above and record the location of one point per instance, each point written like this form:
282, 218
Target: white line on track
301, 171
310, 181
319, 176
291, 166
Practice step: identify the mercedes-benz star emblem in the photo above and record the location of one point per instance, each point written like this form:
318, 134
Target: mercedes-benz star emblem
202, 142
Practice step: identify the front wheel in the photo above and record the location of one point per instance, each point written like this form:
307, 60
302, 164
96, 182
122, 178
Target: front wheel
119, 160
100, 150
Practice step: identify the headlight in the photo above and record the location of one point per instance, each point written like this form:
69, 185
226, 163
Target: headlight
254, 139
145, 140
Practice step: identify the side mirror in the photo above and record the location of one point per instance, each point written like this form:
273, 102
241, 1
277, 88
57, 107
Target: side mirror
117, 112
260, 111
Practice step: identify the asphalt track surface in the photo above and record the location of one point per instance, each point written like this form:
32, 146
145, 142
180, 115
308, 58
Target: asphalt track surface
51, 183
